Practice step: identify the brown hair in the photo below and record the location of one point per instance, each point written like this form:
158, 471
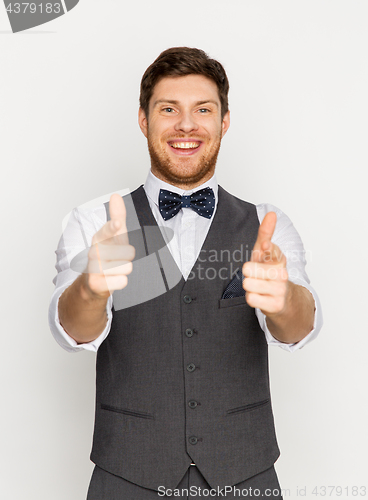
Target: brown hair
182, 61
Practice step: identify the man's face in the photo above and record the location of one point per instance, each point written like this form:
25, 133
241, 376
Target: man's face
184, 129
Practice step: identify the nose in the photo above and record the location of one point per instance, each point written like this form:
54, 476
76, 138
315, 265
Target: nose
186, 123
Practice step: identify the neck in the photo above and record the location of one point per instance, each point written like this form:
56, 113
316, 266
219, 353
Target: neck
184, 184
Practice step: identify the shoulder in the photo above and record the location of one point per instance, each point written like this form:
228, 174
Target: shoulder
83, 219
284, 226
233, 201
264, 208
129, 198
285, 236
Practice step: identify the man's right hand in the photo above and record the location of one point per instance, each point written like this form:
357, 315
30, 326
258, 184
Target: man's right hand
82, 306
110, 257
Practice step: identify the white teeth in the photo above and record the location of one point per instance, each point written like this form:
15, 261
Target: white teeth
185, 145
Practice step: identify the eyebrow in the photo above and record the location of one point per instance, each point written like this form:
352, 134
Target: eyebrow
169, 101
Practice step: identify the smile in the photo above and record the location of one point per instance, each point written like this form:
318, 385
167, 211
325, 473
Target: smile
185, 145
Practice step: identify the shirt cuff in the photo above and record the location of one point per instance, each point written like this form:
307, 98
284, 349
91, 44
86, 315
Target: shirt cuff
317, 325
61, 336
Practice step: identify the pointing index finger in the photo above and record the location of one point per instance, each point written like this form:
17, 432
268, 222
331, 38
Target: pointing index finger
265, 233
118, 211
115, 230
118, 218
267, 227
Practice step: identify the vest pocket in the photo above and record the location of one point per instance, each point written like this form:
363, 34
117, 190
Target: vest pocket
233, 301
126, 411
252, 406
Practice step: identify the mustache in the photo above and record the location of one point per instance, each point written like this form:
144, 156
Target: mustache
197, 137
178, 137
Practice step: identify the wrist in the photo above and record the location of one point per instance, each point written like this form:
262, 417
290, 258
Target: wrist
295, 321
88, 295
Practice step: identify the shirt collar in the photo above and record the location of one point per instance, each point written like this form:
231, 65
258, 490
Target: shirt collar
153, 185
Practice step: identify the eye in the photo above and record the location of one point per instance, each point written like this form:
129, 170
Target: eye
168, 110
202, 111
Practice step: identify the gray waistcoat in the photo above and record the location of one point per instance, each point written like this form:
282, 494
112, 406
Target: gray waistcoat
183, 376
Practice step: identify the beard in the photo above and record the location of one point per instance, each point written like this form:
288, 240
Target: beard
185, 171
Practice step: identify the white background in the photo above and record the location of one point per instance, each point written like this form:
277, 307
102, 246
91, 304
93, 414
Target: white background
298, 139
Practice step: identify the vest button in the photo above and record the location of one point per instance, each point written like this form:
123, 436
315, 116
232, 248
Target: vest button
189, 332
187, 299
191, 367
193, 440
192, 404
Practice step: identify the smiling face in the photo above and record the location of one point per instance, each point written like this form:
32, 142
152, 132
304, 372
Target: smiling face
184, 129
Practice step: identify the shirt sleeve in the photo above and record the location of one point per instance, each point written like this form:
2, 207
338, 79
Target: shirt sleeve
288, 240
81, 225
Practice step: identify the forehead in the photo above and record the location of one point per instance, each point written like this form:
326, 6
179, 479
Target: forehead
185, 89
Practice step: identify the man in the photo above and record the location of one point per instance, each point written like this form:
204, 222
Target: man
182, 392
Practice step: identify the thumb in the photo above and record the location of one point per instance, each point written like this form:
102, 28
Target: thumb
265, 233
118, 215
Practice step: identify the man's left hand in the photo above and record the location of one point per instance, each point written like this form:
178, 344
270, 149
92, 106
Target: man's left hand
266, 278
289, 308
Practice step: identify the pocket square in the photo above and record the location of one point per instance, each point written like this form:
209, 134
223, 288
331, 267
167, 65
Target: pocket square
235, 288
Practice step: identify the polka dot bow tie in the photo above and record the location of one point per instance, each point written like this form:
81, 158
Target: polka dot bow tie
202, 202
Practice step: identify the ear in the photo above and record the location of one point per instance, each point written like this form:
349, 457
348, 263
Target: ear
143, 121
225, 123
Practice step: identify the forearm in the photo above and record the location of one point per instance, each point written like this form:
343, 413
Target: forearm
82, 314
296, 320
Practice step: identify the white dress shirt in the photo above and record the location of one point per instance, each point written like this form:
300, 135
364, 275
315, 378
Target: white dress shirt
190, 231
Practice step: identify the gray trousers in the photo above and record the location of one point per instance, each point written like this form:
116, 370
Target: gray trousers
106, 486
